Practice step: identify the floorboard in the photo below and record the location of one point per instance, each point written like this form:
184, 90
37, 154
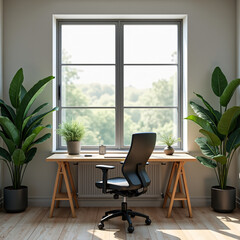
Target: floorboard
34, 224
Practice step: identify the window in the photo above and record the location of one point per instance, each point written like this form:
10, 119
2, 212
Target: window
118, 77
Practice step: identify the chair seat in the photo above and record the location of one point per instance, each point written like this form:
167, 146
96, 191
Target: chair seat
117, 183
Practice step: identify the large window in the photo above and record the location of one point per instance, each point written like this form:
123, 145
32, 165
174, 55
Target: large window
120, 77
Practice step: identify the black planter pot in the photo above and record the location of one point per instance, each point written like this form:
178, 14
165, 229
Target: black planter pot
15, 200
223, 200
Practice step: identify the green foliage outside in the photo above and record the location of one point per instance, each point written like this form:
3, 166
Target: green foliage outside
220, 129
100, 123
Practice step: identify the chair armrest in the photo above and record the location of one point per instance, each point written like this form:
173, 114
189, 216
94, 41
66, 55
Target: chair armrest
105, 169
102, 167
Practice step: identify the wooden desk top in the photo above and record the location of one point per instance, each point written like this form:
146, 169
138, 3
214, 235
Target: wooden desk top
178, 157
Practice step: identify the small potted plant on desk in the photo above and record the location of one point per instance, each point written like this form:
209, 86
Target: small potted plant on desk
221, 138
20, 128
168, 140
72, 132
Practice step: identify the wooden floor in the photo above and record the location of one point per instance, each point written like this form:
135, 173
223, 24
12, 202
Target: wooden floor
34, 223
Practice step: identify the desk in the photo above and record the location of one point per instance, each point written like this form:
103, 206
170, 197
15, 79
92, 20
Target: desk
177, 172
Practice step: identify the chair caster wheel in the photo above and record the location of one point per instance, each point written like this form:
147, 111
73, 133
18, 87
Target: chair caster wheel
100, 226
130, 229
148, 221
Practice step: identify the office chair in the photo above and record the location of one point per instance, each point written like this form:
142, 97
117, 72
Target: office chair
135, 180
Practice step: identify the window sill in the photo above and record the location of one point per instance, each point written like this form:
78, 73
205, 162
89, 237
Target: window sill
114, 152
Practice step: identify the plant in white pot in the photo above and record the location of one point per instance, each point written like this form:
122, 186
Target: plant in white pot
72, 132
221, 138
20, 129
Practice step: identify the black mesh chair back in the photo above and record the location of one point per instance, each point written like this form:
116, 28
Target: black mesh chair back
133, 168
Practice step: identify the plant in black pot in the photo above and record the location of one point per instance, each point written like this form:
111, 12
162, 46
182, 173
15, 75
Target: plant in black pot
221, 138
20, 129
72, 132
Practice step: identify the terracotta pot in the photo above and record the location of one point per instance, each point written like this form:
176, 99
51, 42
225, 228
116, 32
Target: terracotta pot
168, 150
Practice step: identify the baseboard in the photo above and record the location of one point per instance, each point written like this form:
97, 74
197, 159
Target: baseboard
40, 201
200, 201
110, 202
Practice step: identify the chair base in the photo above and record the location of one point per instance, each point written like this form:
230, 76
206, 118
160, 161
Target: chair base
126, 215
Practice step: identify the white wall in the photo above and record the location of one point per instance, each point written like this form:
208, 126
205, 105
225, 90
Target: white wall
211, 42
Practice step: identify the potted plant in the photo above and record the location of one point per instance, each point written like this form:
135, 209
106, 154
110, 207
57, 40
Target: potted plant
168, 140
221, 137
20, 128
72, 132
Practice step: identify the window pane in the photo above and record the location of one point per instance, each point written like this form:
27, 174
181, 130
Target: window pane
88, 43
88, 86
150, 43
99, 125
150, 86
161, 121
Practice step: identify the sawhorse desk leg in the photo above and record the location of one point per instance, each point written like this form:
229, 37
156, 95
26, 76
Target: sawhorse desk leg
64, 172
178, 170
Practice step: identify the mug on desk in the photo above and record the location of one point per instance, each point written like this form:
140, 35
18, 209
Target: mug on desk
102, 150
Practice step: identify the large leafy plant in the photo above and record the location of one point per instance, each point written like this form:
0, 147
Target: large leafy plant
20, 127
220, 129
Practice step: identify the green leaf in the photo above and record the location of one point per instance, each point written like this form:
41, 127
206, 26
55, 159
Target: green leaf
23, 92
9, 143
218, 115
221, 159
30, 154
219, 82
228, 92
28, 141
201, 122
39, 108
5, 154
38, 129
29, 98
227, 119
206, 148
209, 107
15, 88
202, 112
212, 139
33, 122
33, 113
26, 121
42, 139
233, 140
206, 162
234, 125
10, 129
7, 111
18, 157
